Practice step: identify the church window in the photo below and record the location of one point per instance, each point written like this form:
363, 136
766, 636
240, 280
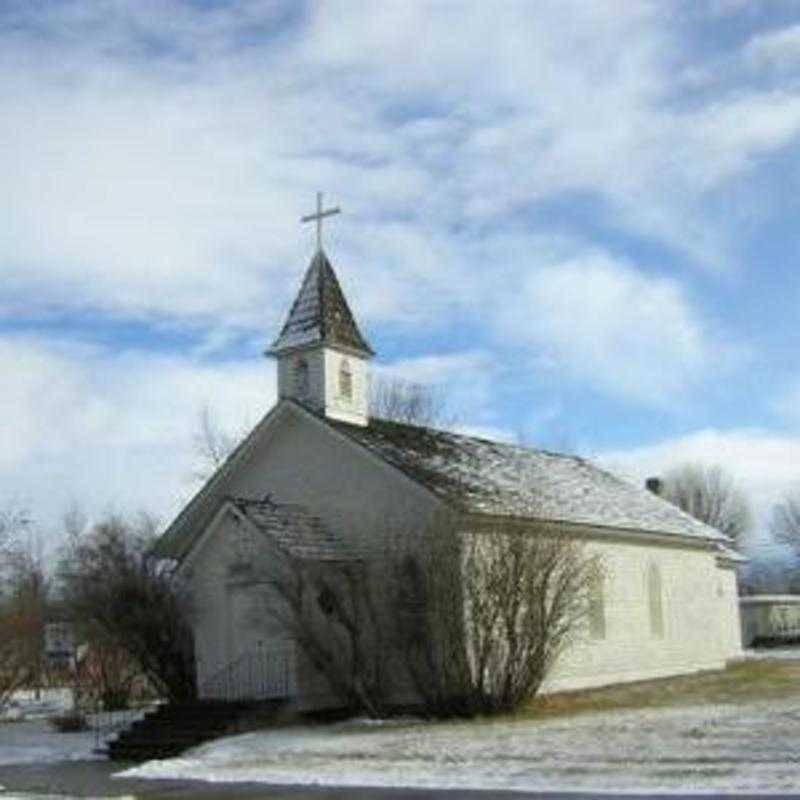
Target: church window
327, 601
597, 609
655, 601
301, 378
411, 619
345, 380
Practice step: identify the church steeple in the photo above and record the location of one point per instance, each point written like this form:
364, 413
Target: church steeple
322, 356
320, 314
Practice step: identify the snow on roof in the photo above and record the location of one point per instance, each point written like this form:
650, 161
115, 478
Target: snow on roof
320, 314
727, 552
485, 477
293, 528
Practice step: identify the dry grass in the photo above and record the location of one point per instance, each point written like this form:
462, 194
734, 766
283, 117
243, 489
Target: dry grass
740, 682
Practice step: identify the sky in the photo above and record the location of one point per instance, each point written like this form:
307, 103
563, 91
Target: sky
578, 218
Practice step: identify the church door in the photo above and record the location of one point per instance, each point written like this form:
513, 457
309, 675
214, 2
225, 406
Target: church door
260, 664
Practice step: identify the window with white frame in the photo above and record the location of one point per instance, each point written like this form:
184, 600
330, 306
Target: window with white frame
301, 379
597, 608
655, 601
345, 380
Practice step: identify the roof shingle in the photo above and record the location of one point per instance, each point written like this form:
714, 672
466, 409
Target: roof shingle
486, 477
320, 314
293, 529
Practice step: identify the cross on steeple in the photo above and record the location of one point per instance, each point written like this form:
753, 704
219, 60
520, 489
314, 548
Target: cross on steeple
318, 217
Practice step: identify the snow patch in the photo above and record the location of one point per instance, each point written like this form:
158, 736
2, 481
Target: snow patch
22, 796
713, 748
35, 742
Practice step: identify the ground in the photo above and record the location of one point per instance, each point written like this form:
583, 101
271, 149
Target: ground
730, 732
735, 731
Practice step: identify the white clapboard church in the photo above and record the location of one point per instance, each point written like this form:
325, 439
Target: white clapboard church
318, 477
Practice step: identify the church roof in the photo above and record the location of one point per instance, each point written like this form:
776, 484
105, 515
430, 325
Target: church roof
485, 477
293, 529
320, 314
473, 475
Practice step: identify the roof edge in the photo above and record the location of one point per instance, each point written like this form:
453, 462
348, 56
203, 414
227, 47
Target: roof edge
175, 527
587, 528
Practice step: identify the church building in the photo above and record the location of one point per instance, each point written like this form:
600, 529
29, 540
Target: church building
318, 478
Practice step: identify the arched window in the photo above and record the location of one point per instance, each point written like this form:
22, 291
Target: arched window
301, 378
345, 380
597, 608
655, 601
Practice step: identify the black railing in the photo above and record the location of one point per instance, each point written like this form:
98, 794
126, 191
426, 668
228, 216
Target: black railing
257, 675
106, 724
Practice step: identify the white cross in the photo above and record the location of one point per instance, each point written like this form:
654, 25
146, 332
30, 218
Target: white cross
318, 217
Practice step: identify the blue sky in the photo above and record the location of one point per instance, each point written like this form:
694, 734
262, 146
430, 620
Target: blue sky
578, 217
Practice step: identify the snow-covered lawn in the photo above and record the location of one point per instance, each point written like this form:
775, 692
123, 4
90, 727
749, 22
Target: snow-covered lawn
35, 742
724, 748
11, 795
773, 654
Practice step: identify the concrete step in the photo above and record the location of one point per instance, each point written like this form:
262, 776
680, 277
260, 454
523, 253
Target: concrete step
171, 729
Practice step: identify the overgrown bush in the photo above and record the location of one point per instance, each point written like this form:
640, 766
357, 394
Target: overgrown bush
129, 603
476, 618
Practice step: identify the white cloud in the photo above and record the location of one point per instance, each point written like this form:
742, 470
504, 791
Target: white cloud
87, 425
775, 50
157, 166
763, 462
787, 403
631, 334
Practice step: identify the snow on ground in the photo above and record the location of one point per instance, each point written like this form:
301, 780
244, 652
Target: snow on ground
17, 796
35, 742
773, 654
723, 748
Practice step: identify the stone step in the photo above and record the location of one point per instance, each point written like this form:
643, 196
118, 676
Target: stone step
171, 729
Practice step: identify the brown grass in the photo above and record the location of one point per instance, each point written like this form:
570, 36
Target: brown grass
740, 682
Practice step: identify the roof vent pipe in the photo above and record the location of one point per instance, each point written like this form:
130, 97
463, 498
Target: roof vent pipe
654, 485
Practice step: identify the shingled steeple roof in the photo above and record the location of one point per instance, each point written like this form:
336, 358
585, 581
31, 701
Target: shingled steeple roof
320, 314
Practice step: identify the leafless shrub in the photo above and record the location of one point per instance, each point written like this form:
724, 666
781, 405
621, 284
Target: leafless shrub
785, 522
212, 445
23, 600
491, 613
331, 610
410, 403
128, 602
475, 620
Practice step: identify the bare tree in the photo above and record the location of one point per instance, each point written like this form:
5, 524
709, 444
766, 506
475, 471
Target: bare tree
332, 611
710, 495
476, 620
491, 612
785, 522
410, 403
13, 666
212, 445
127, 598
14, 521
107, 673
22, 601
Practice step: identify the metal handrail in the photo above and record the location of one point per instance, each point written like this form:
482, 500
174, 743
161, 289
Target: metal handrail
256, 675
106, 724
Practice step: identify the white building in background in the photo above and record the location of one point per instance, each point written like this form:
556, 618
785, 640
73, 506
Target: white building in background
770, 619
318, 478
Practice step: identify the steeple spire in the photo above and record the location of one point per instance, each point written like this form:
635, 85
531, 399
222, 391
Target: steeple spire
320, 315
322, 356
